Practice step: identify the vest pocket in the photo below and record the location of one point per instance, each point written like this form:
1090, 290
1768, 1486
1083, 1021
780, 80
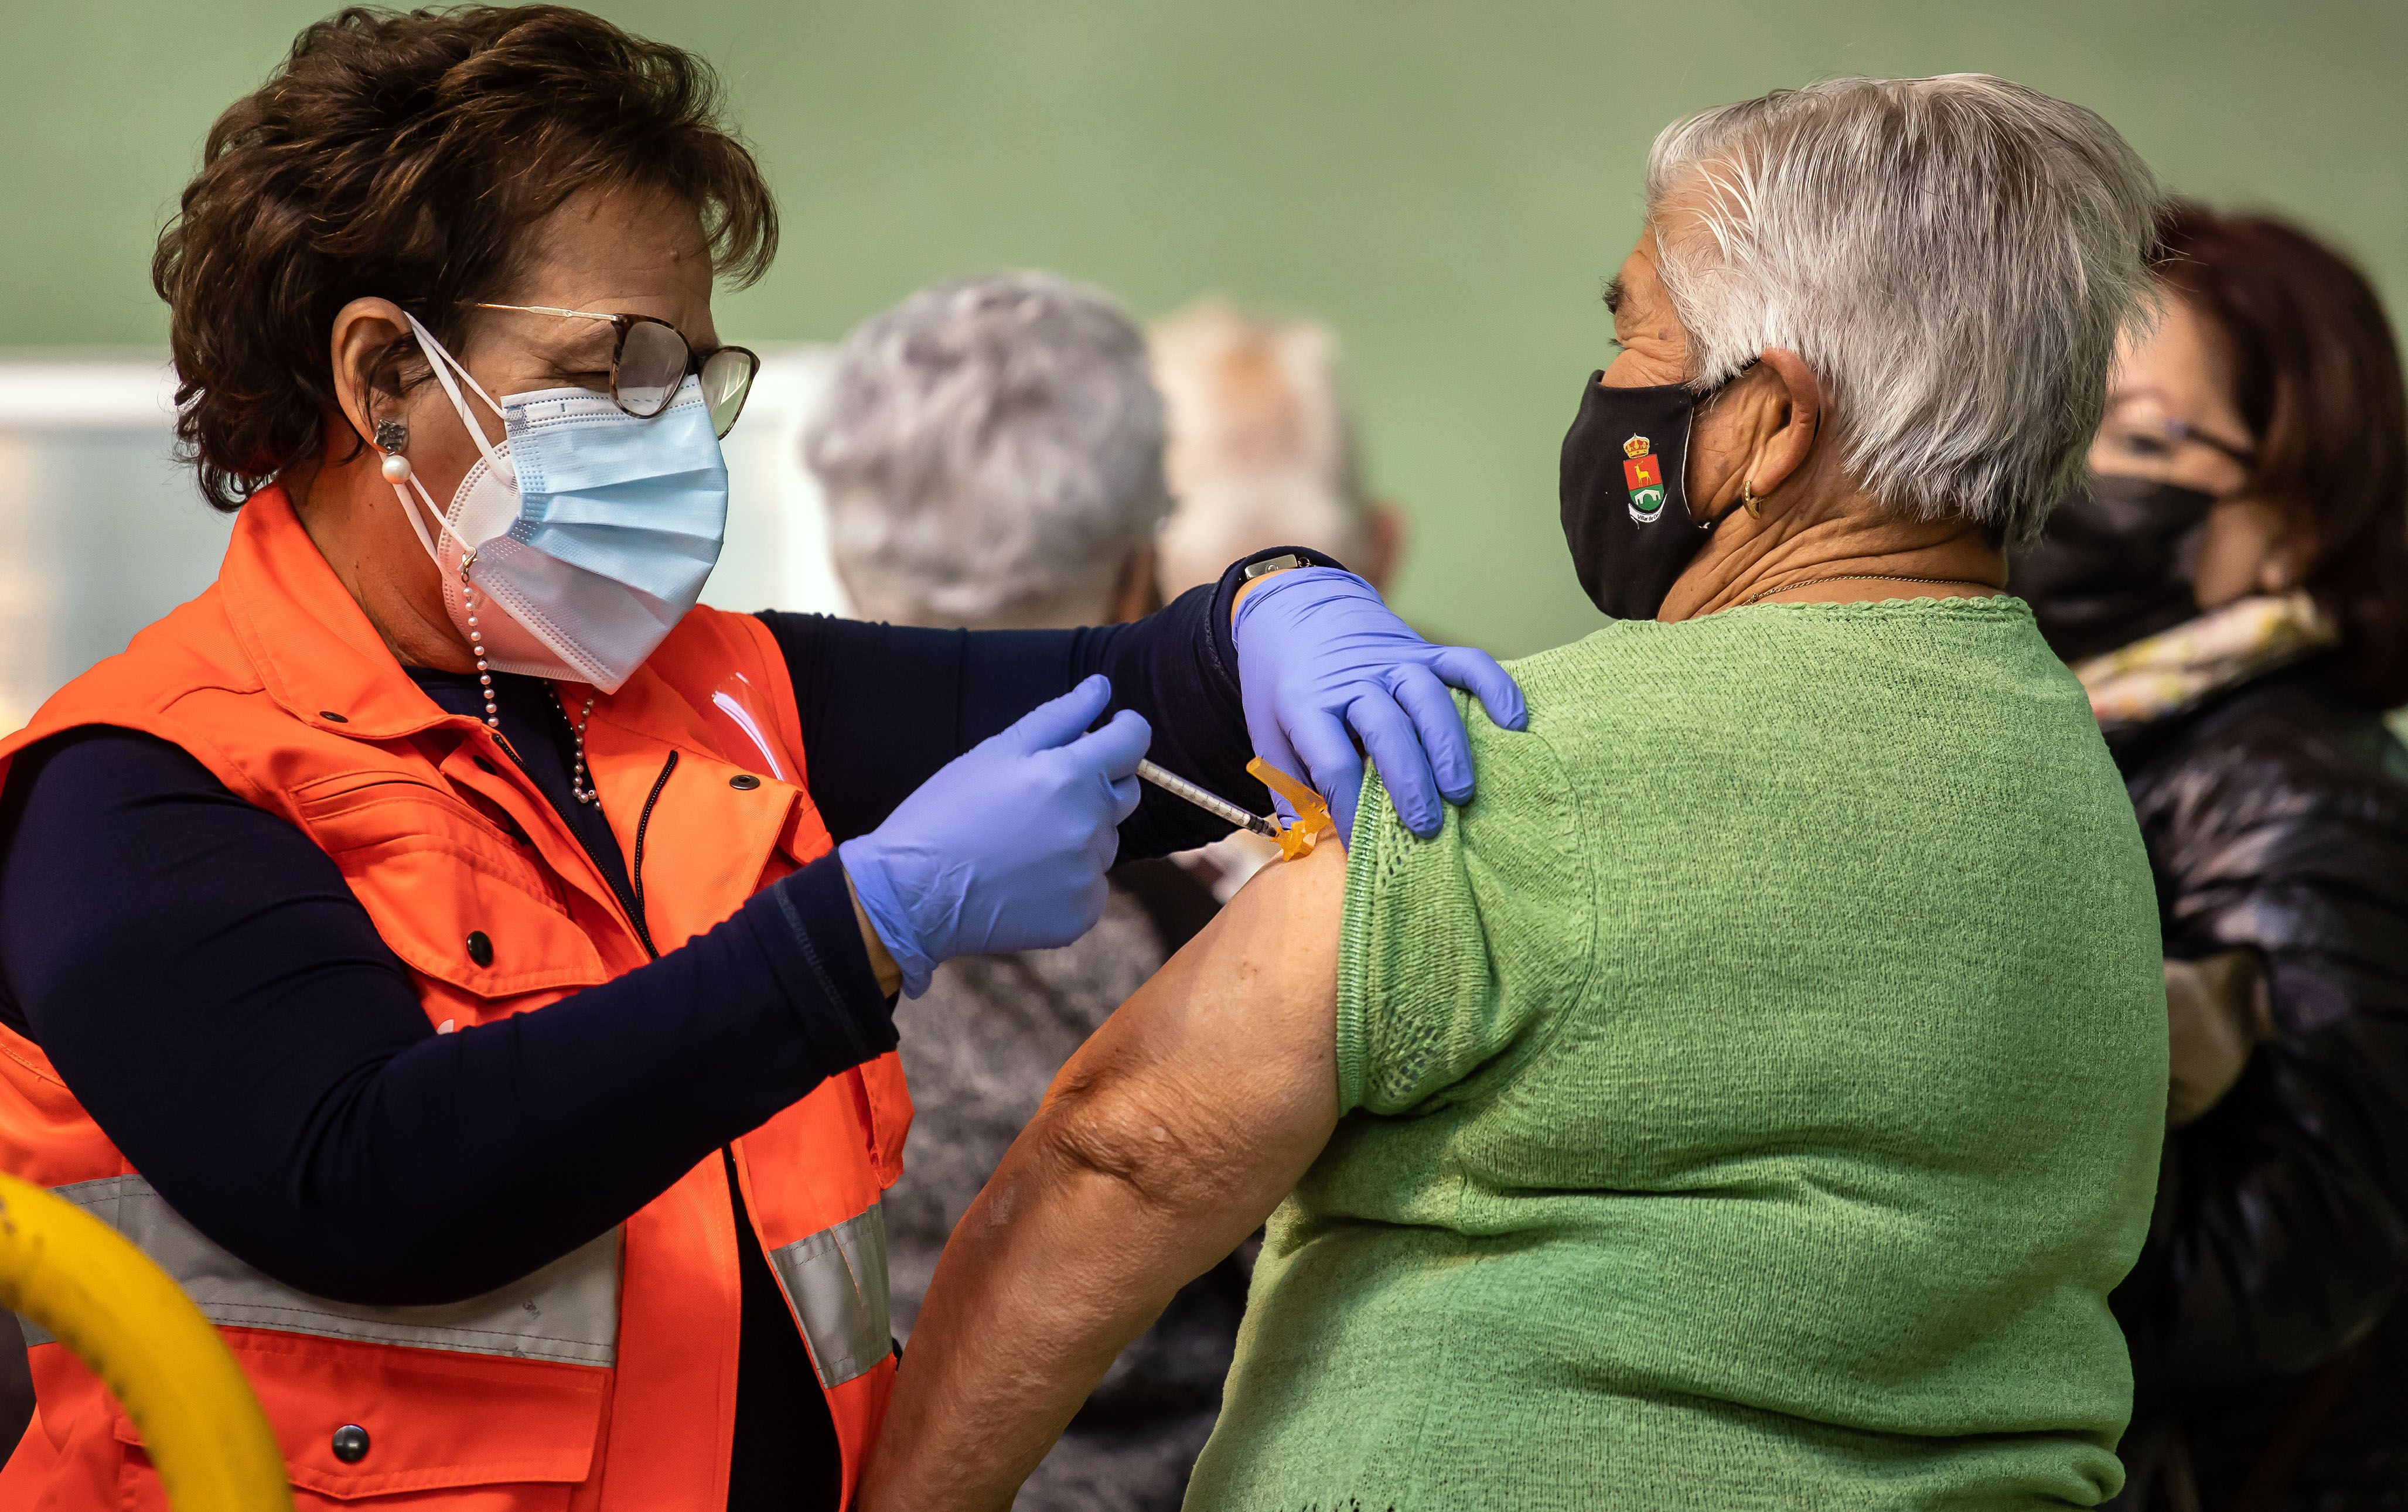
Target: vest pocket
432, 873
504, 1391
493, 1435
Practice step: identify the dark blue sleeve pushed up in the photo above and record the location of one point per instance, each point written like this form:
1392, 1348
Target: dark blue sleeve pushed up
205, 982
885, 705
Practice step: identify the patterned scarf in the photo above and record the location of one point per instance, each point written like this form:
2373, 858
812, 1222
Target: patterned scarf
2172, 671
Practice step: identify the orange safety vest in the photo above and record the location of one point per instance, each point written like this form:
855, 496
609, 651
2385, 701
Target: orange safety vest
607, 1379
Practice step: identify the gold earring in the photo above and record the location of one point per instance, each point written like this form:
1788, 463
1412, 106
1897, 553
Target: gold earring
1749, 502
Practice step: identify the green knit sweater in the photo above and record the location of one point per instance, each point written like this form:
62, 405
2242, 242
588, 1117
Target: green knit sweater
1748, 1101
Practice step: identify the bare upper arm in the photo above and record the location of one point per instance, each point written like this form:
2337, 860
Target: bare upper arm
1216, 1084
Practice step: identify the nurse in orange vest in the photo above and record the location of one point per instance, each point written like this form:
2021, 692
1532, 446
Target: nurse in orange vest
461, 961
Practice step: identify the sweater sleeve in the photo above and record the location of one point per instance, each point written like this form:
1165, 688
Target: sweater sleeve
205, 982
1456, 949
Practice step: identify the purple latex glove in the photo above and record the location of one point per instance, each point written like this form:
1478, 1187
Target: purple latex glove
1005, 847
1323, 664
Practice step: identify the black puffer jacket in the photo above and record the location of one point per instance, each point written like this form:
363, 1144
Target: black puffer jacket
2269, 1333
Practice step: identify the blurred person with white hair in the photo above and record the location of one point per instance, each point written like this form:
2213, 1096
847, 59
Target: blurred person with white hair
1753, 1097
1263, 447
1263, 452
991, 450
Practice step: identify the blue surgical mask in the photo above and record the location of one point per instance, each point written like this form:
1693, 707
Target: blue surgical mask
586, 536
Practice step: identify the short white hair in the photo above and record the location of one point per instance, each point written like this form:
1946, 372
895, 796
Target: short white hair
1953, 257
1262, 444
991, 450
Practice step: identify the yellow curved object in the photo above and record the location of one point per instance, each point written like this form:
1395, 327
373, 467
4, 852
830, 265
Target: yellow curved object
1299, 835
120, 1315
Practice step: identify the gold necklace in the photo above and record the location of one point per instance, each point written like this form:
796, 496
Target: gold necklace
1852, 578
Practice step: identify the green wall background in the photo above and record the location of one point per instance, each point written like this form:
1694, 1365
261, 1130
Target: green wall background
1446, 184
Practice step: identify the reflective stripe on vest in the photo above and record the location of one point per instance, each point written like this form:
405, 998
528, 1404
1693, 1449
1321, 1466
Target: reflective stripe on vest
835, 1281
568, 1311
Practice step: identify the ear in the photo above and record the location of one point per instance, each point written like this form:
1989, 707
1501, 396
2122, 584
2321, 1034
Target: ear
370, 339
1781, 453
1384, 543
2287, 559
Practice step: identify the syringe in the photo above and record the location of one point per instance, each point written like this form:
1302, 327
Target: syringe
1211, 803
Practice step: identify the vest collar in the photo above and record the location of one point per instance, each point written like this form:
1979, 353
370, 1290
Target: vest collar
316, 653
322, 661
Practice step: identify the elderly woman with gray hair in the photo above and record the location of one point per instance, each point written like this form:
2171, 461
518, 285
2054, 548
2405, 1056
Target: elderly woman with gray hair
1751, 1098
992, 451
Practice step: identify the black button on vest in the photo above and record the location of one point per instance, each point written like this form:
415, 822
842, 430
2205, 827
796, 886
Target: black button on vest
744, 782
480, 949
350, 1444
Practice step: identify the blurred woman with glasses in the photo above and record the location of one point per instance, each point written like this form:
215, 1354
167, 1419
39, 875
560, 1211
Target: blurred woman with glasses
2233, 592
433, 944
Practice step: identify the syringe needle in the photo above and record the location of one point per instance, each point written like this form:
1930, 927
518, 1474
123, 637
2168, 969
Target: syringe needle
1211, 803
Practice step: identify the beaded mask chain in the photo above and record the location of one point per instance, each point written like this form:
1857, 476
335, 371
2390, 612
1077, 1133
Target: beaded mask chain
493, 706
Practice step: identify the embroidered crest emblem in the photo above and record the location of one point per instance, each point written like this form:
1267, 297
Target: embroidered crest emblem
1645, 472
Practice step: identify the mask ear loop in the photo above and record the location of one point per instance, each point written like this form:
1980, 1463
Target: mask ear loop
409, 507
443, 362
1748, 498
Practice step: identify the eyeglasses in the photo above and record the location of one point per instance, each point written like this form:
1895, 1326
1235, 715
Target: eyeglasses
650, 361
2146, 445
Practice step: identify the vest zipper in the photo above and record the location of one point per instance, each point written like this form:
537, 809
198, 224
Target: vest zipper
635, 866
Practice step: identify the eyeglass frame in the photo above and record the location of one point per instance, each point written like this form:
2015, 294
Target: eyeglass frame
2184, 431
619, 326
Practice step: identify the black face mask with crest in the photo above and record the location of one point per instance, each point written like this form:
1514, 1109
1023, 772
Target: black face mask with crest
1625, 501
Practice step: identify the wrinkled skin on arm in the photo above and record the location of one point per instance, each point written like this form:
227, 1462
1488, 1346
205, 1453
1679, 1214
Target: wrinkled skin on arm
1166, 1140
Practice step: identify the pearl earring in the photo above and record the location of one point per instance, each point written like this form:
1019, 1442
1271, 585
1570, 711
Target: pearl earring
391, 437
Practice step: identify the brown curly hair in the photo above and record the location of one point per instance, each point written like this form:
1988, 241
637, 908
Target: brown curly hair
2317, 378
403, 155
